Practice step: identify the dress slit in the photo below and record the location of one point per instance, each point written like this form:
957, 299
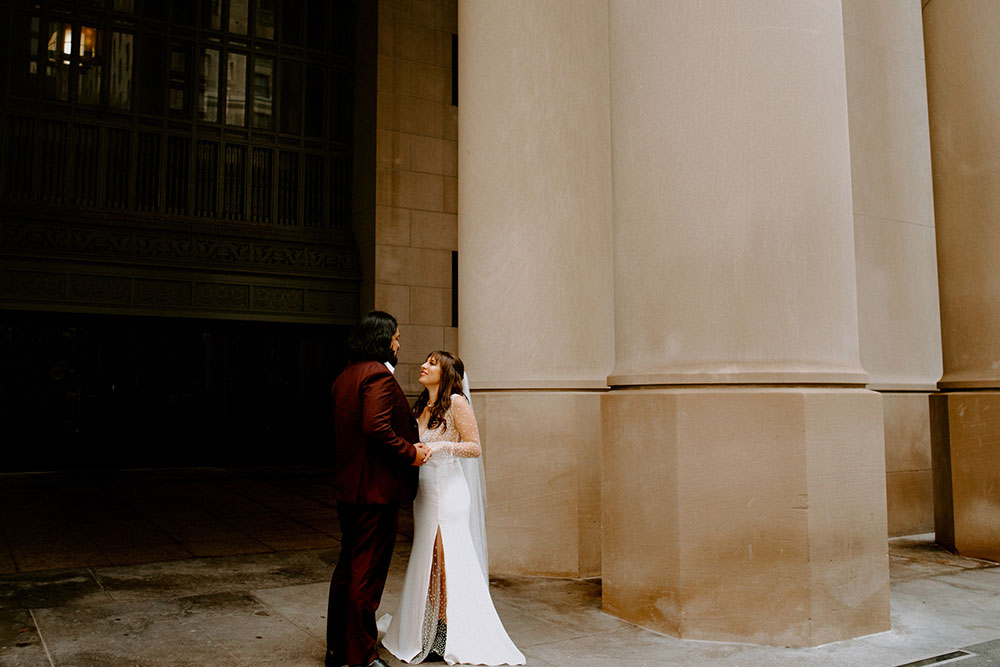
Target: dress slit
434, 628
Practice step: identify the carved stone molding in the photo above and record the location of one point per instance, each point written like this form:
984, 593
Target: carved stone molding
32, 285
100, 289
326, 302
278, 298
99, 244
312, 301
163, 293
225, 296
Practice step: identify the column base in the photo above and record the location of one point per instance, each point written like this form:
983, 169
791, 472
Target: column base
965, 444
908, 476
753, 514
543, 478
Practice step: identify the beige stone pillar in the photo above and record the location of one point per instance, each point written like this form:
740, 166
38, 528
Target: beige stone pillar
899, 319
963, 84
743, 485
535, 270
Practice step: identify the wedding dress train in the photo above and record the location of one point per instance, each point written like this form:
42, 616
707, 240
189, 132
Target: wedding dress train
445, 605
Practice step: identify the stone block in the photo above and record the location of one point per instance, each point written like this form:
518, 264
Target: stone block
430, 305
966, 454
450, 195
392, 225
418, 191
428, 154
417, 341
910, 502
752, 515
395, 300
434, 230
430, 82
907, 431
418, 116
542, 452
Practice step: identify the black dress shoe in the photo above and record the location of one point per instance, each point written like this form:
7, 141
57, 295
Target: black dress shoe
377, 662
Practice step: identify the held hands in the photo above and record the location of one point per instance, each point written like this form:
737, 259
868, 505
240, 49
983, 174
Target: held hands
423, 454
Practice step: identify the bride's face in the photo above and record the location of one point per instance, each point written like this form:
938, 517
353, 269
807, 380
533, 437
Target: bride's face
430, 373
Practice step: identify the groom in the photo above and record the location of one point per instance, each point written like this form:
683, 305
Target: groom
374, 471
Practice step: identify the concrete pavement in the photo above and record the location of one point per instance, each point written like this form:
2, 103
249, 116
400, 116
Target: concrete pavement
267, 607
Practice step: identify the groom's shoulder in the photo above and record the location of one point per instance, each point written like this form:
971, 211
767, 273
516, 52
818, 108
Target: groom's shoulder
360, 371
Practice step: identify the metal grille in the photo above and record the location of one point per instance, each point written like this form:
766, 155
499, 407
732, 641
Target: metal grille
86, 166
119, 168
340, 191
20, 154
147, 185
315, 193
234, 183
288, 187
206, 179
178, 172
53, 175
260, 185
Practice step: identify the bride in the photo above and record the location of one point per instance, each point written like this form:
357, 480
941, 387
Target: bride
445, 610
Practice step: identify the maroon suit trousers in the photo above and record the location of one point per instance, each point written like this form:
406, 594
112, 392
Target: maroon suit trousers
368, 534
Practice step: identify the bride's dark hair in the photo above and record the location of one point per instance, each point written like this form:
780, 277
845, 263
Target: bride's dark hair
452, 370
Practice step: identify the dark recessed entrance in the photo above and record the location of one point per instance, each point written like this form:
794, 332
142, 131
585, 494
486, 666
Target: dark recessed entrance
106, 391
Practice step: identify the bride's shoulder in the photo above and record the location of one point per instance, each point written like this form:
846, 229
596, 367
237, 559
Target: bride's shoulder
460, 399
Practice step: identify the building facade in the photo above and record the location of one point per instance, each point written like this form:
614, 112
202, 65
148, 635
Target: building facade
722, 273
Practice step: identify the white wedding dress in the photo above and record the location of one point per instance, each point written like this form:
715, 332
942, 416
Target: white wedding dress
448, 611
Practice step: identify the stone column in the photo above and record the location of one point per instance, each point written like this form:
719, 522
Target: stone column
535, 270
899, 319
743, 485
964, 106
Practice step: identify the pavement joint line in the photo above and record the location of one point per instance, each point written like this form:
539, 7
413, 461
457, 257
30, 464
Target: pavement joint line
944, 658
274, 612
38, 629
100, 584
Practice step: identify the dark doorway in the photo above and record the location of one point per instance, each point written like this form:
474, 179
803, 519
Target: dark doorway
104, 391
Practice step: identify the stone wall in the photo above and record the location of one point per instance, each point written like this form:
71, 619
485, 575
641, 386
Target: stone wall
416, 190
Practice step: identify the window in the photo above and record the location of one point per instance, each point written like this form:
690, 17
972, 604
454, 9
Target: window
208, 86
120, 73
264, 19
238, 12
58, 52
216, 109
236, 89
263, 93
89, 64
177, 97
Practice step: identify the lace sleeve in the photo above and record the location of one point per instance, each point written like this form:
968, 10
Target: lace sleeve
467, 445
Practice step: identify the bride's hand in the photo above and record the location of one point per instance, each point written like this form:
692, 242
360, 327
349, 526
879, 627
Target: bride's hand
423, 454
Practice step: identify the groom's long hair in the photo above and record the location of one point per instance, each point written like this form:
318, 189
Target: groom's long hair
372, 339
452, 370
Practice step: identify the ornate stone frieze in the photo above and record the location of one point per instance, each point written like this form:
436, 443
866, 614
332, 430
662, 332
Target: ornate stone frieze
100, 289
278, 298
223, 296
162, 292
192, 297
82, 265
32, 285
181, 248
326, 302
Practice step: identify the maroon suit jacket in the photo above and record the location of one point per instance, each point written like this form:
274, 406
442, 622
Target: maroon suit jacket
374, 433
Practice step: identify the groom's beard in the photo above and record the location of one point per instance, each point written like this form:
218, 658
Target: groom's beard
393, 358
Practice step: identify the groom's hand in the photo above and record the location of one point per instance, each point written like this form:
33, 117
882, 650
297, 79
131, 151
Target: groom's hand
423, 453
